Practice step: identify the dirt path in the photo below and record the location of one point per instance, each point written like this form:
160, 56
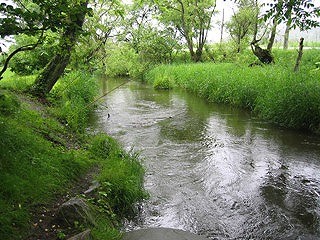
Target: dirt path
43, 226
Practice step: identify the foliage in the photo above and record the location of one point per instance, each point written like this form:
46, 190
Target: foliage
55, 68
157, 46
272, 92
153, 44
163, 82
241, 25
17, 83
105, 23
122, 61
8, 103
29, 17
73, 97
28, 62
191, 19
302, 14
39, 158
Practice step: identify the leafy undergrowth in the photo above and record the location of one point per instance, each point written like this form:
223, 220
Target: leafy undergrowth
274, 92
40, 159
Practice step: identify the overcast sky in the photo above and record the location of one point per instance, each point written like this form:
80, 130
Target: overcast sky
228, 6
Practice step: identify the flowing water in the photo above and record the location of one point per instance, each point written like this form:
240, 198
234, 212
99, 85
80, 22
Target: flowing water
215, 170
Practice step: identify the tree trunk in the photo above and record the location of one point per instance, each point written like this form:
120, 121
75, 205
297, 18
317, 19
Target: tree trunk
264, 55
198, 55
273, 35
222, 26
296, 67
288, 25
286, 36
50, 75
55, 68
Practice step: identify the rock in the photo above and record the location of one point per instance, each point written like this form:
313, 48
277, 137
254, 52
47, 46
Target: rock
75, 210
94, 186
86, 235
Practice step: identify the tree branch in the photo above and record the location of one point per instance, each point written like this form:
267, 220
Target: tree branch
20, 49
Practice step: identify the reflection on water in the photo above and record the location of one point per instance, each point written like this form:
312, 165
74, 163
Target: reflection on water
214, 170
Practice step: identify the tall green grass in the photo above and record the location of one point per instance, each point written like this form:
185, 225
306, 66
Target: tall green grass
17, 83
72, 97
121, 177
272, 92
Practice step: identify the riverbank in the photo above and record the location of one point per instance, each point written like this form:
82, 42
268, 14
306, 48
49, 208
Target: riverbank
43, 159
272, 92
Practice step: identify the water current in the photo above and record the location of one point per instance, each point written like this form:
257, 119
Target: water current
215, 170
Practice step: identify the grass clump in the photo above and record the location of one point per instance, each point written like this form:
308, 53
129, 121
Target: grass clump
121, 178
273, 92
72, 97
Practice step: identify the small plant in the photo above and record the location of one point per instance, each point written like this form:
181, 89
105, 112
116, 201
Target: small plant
61, 235
163, 82
102, 146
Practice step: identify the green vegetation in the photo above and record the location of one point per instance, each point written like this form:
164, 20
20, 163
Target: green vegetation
58, 48
73, 99
273, 92
41, 158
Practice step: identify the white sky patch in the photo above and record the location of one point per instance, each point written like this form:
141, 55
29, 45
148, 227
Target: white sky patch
229, 7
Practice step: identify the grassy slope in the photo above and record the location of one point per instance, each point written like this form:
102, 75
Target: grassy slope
40, 158
273, 92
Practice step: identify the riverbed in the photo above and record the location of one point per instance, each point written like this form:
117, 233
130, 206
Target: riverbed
215, 170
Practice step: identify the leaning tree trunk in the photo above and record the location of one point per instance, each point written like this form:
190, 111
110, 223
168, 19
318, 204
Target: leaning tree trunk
286, 36
55, 68
50, 75
264, 55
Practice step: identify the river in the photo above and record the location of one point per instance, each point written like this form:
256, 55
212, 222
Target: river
215, 170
